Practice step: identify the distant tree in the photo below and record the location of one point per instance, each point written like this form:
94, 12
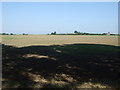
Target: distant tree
53, 33
5, 34
11, 34
76, 32
104, 33
112, 34
24, 34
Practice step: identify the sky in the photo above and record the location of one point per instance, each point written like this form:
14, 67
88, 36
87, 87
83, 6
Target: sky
62, 17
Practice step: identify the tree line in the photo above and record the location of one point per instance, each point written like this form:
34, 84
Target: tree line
12, 34
74, 33
82, 33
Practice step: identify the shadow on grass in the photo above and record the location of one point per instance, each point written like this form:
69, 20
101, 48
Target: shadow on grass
61, 66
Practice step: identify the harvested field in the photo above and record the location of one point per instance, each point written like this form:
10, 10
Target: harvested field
29, 40
55, 61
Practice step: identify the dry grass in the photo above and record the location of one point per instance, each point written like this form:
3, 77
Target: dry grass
28, 40
34, 56
88, 65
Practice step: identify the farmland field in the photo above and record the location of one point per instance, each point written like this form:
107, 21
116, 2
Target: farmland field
60, 61
28, 40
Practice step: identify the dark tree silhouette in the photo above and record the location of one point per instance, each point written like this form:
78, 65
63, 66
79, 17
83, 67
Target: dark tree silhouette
53, 33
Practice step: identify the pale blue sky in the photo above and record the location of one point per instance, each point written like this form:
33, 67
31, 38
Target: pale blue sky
62, 17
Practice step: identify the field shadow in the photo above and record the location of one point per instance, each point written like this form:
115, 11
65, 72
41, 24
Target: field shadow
58, 66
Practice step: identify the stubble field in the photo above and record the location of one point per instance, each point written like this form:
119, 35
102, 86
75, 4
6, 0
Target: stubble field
28, 40
60, 61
